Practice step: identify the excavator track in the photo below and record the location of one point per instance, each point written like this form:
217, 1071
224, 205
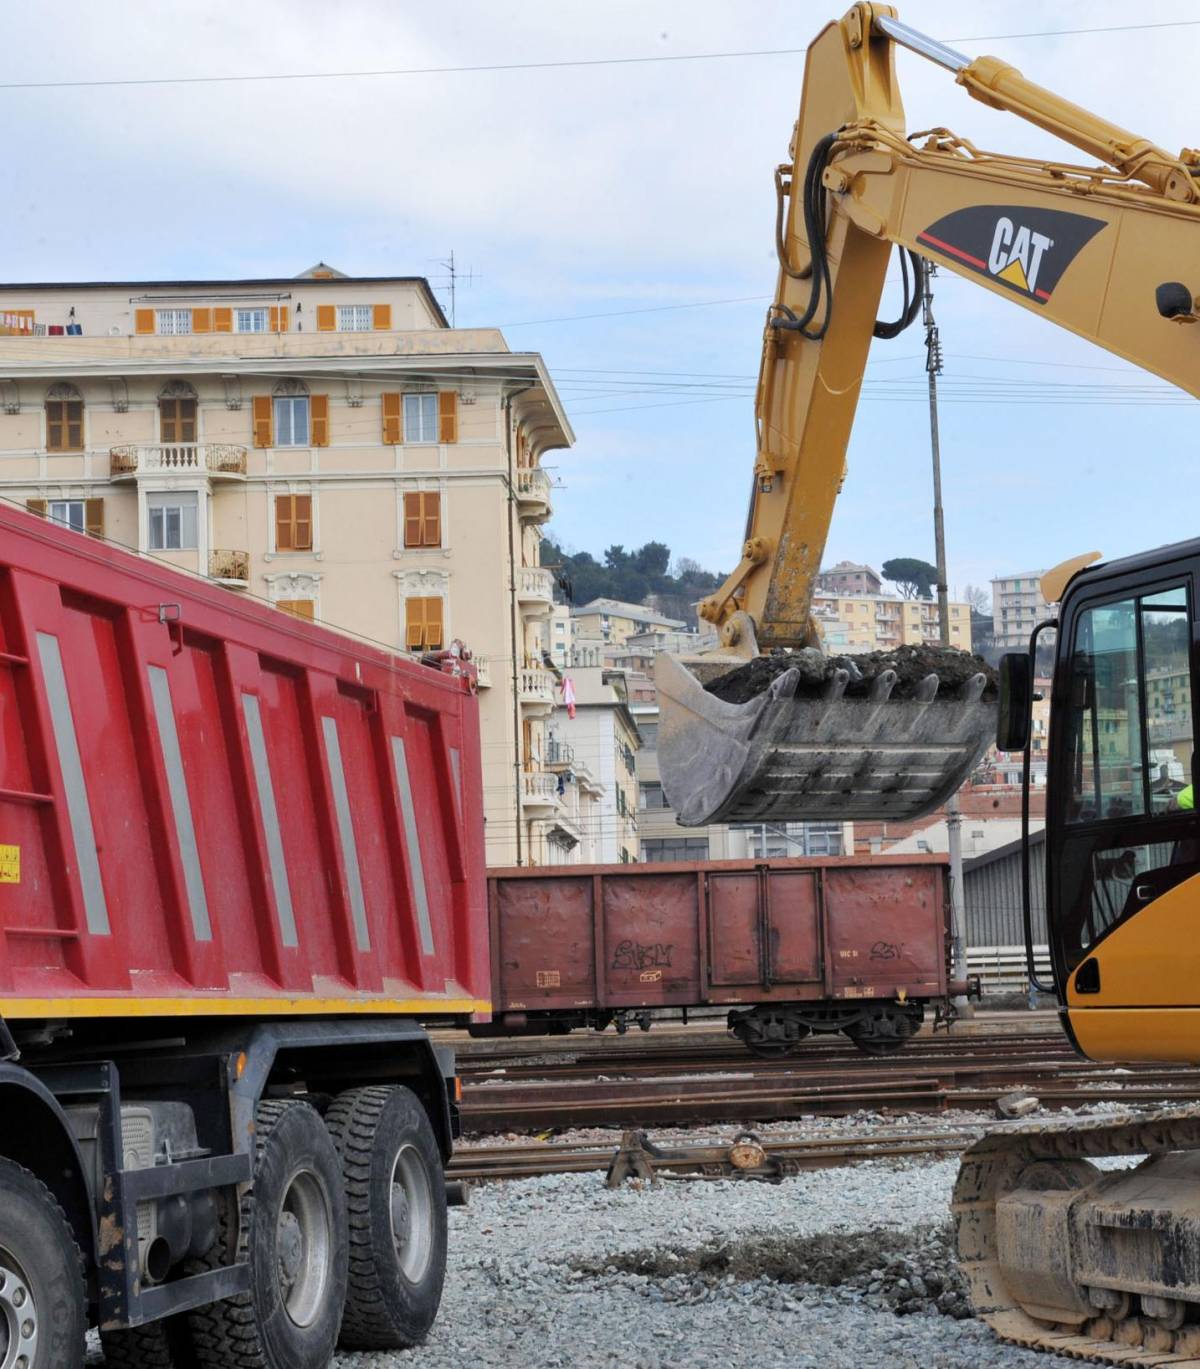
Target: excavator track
994, 1166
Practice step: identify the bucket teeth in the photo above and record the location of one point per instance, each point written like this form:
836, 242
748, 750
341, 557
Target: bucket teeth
882, 686
927, 690
836, 686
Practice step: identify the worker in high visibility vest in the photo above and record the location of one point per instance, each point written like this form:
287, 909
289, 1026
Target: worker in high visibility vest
1186, 798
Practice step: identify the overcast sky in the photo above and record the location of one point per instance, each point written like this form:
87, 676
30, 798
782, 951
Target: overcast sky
619, 191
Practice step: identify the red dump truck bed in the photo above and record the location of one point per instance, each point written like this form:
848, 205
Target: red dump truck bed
209, 807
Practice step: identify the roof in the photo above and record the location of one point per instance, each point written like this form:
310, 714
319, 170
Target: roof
309, 277
1010, 848
639, 613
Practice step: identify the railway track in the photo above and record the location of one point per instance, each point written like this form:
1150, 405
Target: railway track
711, 1082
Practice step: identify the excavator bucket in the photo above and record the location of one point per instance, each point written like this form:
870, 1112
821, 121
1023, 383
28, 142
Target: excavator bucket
798, 753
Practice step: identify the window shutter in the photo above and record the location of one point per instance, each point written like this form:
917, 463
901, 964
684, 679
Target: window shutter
433, 624
222, 320
381, 316
93, 517
431, 531
74, 432
393, 421
273, 319
326, 318
283, 522
55, 422
37, 506
202, 320
302, 530
143, 320
414, 624
412, 520
319, 414
447, 416
283, 318
297, 608
263, 436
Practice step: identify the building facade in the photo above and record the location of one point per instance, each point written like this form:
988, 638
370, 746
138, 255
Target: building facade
610, 621
1017, 608
326, 443
849, 578
879, 622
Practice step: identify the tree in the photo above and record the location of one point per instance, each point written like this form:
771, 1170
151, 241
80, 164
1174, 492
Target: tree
914, 578
652, 559
979, 600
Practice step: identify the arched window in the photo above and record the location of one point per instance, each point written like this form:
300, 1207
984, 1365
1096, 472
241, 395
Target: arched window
177, 412
290, 404
64, 419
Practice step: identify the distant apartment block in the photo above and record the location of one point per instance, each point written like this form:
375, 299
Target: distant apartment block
1017, 608
848, 578
878, 622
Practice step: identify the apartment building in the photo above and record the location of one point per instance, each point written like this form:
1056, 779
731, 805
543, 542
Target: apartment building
1017, 608
611, 621
327, 443
603, 739
847, 577
878, 622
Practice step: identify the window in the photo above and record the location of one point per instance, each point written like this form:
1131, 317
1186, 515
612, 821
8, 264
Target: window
64, 420
177, 419
173, 520
70, 512
354, 318
675, 848
293, 522
291, 420
297, 608
423, 519
423, 630
421, 418
651, 795
649, 733
174, 320
251, 320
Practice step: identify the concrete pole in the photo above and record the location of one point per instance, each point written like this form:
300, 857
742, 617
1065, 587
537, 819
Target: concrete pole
933, 368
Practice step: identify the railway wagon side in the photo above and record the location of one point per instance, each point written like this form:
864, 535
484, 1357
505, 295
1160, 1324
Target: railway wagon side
789, 946
241, 863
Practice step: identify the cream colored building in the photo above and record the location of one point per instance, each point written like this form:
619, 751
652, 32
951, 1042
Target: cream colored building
1017, 608
611, 621
327, 443
879, 622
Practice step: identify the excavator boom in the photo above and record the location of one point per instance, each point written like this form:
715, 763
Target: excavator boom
1102, 251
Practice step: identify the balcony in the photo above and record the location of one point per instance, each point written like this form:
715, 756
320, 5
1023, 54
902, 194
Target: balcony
533, 494
220, 460
559, 755
483, 671
535, 590
539, 794
230, 568
535, 686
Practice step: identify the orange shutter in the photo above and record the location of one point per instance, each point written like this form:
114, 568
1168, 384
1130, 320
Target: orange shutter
297, 608
412, 520
37, 506
263, 436
318, 408
433, 623
393, 422
283, 318
283, 522
93, 517
414, 624
222, 320
201, 320
381, 316
143, 320
431, 520
447, 416
302, 538
326, 318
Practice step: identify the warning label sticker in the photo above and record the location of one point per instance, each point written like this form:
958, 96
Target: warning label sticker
10, 865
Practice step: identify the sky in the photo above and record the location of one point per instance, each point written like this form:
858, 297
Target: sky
617, 218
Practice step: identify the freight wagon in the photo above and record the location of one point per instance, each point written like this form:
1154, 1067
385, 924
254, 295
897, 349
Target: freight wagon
789, 946
240, 860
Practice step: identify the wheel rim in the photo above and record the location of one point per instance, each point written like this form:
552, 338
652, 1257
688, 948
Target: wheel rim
18, 1316
304, 1244
412, 1213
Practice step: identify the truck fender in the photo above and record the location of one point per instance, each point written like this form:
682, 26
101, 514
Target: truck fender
36, 1133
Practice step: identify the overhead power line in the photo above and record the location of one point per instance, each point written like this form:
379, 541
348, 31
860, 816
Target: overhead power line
483, 68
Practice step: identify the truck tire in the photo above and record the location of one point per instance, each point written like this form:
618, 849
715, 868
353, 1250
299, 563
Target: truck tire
152, 1346
43, 1307
292, 1232
396, 1201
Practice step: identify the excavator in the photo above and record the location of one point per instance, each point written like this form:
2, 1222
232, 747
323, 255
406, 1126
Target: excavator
1079, 1236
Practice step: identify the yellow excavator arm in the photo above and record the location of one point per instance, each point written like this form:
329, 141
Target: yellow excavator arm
1110, 252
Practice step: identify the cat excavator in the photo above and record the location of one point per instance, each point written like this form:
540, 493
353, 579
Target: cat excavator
1095, 1261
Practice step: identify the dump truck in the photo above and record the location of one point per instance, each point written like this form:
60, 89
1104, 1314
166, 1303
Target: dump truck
241, 862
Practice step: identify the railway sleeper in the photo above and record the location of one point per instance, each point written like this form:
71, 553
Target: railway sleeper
775, 1029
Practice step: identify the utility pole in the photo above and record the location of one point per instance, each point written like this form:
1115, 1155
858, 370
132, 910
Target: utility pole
933, 369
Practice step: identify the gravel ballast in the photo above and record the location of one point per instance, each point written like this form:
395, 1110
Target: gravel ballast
833, 1269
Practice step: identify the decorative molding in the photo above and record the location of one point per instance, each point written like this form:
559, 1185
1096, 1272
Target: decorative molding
425, 582
233, 391
178, 389
120, 393
354, 394
293, 584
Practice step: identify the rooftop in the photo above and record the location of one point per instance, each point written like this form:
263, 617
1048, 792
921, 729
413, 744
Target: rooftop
637, 613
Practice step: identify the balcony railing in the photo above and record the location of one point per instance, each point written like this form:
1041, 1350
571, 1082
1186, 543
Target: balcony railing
533, 493
208, 458
535, 586
229, 565
536, 686
559, 754
539, 791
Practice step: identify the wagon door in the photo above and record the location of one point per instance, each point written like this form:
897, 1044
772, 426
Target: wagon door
764, 928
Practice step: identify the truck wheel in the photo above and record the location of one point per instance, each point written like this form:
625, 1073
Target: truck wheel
292, 1232
396, 1200
43, 1311
152, 1346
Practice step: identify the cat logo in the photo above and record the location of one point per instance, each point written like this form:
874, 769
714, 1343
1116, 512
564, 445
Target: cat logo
1024, 249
